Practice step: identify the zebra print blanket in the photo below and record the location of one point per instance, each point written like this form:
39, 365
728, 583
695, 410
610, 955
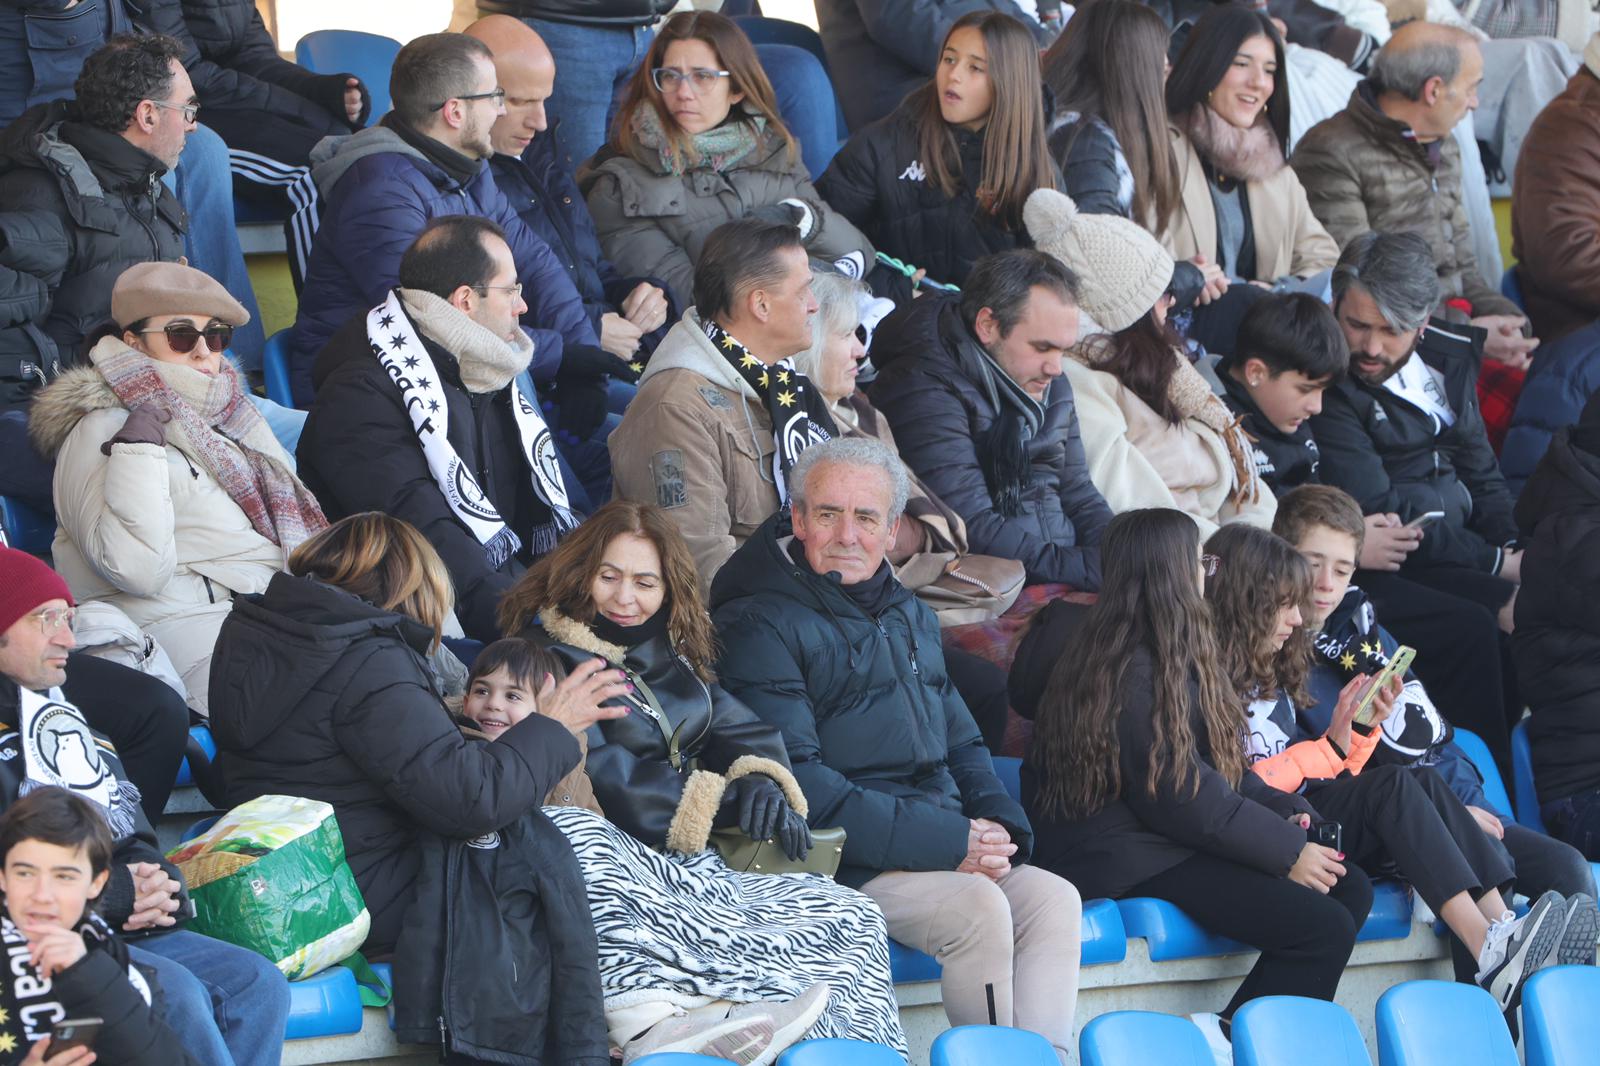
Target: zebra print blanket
685, 929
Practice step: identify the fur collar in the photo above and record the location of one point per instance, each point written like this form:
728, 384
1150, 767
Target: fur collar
487, 363
1251, 155
571, 631
61, 405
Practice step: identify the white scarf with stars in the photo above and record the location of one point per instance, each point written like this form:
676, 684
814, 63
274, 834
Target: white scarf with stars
405, 358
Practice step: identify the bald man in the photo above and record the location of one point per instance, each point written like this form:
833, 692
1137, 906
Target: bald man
535, 173
1387, 162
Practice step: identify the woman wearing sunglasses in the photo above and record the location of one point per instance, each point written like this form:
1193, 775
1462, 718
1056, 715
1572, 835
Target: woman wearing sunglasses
172, 495
698, 142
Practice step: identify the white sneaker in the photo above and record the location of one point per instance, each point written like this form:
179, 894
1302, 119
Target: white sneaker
1515, 948
1210, 1025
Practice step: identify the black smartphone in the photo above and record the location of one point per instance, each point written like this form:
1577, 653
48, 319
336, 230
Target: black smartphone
1328, 834
73, 1033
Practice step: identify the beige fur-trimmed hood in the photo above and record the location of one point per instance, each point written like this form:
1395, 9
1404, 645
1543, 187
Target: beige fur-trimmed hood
62, 404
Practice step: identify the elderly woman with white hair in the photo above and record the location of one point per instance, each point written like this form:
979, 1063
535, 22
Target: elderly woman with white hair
172, 495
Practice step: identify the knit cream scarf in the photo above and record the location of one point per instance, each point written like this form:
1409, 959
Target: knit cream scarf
487, 362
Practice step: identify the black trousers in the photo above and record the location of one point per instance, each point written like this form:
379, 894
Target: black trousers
144, 718
1462, 657
1407, 817
1305, 938
982, 686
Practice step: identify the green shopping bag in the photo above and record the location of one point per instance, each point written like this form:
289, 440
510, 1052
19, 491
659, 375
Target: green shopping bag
271, 876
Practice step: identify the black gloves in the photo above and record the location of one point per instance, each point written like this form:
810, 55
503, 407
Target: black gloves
794, 836
755, 804
587, 361
789, 212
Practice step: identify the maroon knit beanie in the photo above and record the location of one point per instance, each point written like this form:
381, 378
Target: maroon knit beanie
25, 583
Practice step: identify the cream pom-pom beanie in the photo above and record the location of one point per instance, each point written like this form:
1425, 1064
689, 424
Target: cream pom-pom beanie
1122, 270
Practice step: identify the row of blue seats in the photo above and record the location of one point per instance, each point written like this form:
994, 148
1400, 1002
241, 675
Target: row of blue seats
1419, 1023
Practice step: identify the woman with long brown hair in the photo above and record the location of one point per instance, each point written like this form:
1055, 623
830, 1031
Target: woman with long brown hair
1136, 781
697, 142
688, 758
1389, 815
941, 181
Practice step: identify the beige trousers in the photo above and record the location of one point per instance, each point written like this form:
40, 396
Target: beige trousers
1015, 939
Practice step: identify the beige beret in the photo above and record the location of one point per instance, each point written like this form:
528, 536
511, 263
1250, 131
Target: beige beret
147, 289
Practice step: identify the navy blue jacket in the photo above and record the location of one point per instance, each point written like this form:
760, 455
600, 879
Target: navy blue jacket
542, 191
370, 217
1564, 376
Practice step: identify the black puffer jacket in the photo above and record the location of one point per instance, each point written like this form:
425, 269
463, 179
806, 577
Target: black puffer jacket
1557, 640
1284, 461
358, 452
583, 12
877, 734
932, 388
639, 788
1384, 452
318, 693
877, 182
252, 97
1138, 836
78, 206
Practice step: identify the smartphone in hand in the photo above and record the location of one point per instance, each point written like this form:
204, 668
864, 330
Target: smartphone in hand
70, 1033
1397, 666
1424, 520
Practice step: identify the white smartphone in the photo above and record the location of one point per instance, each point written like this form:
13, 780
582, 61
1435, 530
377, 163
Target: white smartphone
1424, 520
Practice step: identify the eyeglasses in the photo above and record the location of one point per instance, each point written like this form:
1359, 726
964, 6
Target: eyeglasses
1210, 564
189, 110
701, 79
514, 290
497, 95
182, 337
55, 619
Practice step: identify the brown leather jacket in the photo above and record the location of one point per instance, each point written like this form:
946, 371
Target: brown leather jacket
1555, 211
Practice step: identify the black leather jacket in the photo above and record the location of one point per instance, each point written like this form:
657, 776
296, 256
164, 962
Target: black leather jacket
640, 785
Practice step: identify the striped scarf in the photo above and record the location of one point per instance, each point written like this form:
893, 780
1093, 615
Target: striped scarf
207, 414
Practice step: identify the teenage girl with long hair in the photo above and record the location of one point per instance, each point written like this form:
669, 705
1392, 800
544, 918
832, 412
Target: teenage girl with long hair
941, 181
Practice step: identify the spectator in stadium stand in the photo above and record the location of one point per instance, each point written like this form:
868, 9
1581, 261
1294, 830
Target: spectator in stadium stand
940, 182
425, 410
698, 142
821, 641
1555, 207
227, 1004
881, 50
533, 168
1325, 524
1154, 433
1555, 646
426, 159
1387, 162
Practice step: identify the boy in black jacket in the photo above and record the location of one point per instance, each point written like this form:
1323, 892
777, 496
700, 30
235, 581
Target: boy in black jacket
64, 962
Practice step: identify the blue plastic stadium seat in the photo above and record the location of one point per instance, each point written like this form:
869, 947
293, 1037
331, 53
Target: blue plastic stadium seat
27, 528
385, 971
839, 1053
196, 828
908, 964
366, 55
275, 369
989, 1045
1273, 1031
1009, 771
202, 735
1172, 934
1439, 1023
1511, 287
1494, 788
327, 1004
1522, 778
1140, 1038
1560, 1026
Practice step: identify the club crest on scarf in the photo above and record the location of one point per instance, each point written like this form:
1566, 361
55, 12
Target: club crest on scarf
799, 414
59, 749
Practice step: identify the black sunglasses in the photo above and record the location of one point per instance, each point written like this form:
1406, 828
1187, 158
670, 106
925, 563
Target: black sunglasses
182, 337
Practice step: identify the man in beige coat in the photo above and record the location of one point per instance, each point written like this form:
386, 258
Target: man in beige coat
698, 439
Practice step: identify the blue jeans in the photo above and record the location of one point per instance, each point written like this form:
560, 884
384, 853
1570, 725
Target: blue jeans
593, 63
805, 100
227, 1004
204, 185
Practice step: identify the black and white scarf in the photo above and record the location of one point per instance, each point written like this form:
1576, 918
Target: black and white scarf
799, 414
30, 1004
59, 749
403, 355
